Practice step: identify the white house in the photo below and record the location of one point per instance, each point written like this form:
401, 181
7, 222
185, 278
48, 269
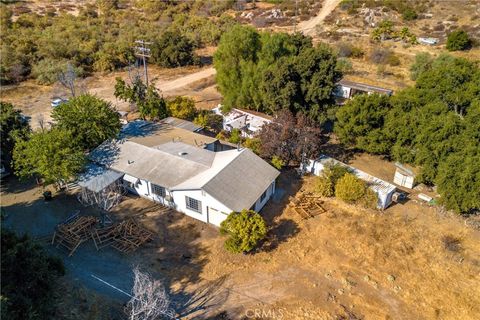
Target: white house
191, 177
384, 190
247, 121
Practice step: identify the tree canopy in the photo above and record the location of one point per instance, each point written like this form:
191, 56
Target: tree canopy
13, 126
29, 279
290, 137
431, 125
147, 99
458, 40
182, 107
245, 229
269, 72
91, 120
173, 50
52, 155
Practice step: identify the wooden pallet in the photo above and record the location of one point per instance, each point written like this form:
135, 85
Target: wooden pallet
307, 206
74, 232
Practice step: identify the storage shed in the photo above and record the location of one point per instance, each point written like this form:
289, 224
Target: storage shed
384, 190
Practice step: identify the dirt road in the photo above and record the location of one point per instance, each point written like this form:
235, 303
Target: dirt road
308, 27
186, 80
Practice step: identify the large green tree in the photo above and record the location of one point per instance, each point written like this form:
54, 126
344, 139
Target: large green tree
52, 155
13, 126
173, 50
182, 107
148, 100
29, 278
90, 119
360, 123
244, 229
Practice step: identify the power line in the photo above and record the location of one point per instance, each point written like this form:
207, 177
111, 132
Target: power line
142, 51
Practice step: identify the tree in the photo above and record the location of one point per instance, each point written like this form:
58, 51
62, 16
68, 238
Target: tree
458, 180
51, 155
29, 278
173, 50
277, 162
209, 120
458, 40
67, 78
244, 229
149, 300
360, 123
349, 188
12, 127
290, 138
149, 102
236, 47
182, 108
90, 119
423, 62
235, 136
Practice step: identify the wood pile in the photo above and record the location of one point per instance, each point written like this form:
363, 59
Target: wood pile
125, 236
74, 232
307, 206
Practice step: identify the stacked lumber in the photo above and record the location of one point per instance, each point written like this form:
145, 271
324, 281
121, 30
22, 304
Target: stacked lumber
307, 206
125, 236
74, 232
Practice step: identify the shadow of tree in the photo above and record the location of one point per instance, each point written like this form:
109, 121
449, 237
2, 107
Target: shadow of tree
280, 233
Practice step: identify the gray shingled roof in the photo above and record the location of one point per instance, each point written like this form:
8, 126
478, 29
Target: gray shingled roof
240, 183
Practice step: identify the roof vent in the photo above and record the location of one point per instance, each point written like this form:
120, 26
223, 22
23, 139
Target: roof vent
182, 153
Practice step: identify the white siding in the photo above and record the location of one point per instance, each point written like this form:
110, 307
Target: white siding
270, 191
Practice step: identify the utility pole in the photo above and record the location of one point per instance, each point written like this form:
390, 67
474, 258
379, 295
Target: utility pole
142, 51
295, 19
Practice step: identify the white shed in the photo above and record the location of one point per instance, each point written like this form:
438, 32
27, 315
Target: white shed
403, 176
384, 190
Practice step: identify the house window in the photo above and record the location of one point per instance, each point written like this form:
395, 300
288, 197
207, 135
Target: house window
193, 204
158, 190
263, 196
128, 184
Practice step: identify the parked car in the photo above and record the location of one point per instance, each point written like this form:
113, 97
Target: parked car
57, 101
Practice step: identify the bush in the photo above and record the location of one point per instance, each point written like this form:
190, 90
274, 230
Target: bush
423, 62
29, 278
380, 55
346, 50
335, 172
344, 65
253, 144
393, 60
409, 14
277, 162
458, 40
181, 107
350, 189
324, 187
369, 200
209, 120
245, 229
46, 71
235, 136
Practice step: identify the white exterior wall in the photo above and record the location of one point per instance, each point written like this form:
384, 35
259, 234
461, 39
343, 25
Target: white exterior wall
207, 215
270, 191
213, 211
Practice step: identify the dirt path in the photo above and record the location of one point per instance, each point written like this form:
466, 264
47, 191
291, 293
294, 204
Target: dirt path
186, 80
308, 27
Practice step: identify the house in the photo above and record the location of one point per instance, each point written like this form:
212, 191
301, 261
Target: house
348, 89
384, 190
188, 173
247, 121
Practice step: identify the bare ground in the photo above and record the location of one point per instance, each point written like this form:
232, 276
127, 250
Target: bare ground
346, 262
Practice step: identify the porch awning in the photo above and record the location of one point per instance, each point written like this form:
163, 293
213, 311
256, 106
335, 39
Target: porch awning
130, 179
96, 178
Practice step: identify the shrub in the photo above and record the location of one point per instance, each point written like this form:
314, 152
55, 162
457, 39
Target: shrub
423, 62
277, 162
245, 229
369, 200
335, 172
409, 14
181, 107
209, 120
350, 189
458, 40
393, 60
380, 55
253, 144
344, 65
235, 136
173, 50
324, 187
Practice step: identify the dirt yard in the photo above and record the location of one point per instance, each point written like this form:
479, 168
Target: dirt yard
34, 100
347, 262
